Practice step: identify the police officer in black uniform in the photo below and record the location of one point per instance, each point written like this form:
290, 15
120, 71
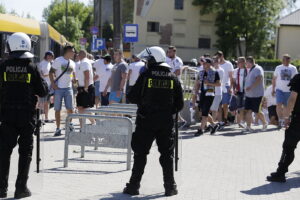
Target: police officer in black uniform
20, 82
158, 94
292, 133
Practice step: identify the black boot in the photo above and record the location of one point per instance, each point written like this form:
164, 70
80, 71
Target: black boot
286, 159
170, 189
3, 192
276, 177
166, 161
23, 170
132, 189
3, 183
4, 172
21, 189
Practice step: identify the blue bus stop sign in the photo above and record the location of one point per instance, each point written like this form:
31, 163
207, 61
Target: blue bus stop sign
131, 33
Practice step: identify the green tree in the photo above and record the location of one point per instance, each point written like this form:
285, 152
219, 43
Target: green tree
107, 31
80, 18
2, 9
14, 12
127, 11
248, 21
73, 32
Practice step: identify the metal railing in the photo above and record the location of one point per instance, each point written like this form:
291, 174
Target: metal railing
109, 131
188, 78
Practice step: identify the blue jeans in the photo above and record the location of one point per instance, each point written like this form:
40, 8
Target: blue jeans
226, 96
97, 89
67, 95
282, 97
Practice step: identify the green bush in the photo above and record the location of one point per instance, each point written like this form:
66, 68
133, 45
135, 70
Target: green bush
270, 65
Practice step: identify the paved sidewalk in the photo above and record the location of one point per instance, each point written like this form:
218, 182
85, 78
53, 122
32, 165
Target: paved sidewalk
228, 166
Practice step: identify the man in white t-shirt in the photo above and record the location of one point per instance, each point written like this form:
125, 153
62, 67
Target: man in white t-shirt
239, 79
134, 72
44, 68
174, 61
86, 90
282, 76
103, 68
227, 83
63, 86
176, 65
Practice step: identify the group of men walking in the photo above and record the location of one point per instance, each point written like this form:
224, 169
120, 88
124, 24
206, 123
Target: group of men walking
154, 85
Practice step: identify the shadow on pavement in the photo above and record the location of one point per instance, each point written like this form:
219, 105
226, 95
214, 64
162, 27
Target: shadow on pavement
121, 196
82, 160
105, 152
62, 170
272, 187
240, 133
51, 139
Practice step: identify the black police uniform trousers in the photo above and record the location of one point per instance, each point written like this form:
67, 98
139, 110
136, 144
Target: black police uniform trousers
149, 128
292, 137
10, 135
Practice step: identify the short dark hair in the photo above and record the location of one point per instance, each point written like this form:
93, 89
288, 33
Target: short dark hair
119, 51
107, 58
206, 55
172, 48
49, 53
219, 53
250, 59
67, 48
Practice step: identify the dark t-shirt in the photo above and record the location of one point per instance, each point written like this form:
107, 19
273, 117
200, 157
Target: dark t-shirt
116, 75
295, 87
205, 88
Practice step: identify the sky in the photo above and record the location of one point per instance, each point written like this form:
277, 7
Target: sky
36, 7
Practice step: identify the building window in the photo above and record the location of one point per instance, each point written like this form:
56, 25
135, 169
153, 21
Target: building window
204, 43
178, 4
153, 27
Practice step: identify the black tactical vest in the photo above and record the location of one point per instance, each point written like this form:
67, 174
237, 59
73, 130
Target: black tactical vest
158, 90
17, 99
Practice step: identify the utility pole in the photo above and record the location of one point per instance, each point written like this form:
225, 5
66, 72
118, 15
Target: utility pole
66, 13
98, 17
117, 19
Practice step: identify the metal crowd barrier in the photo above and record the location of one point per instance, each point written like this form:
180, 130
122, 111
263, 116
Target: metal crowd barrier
109, 131
118, 108
124, 105
188, 78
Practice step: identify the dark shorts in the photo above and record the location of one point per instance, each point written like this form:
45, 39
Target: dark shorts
86, 99
272, 112
205, 104
104, 99
233, 106
240, 100
253, 103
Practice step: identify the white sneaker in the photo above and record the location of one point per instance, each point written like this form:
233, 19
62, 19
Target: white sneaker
249, 129
265, 127
241, 125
